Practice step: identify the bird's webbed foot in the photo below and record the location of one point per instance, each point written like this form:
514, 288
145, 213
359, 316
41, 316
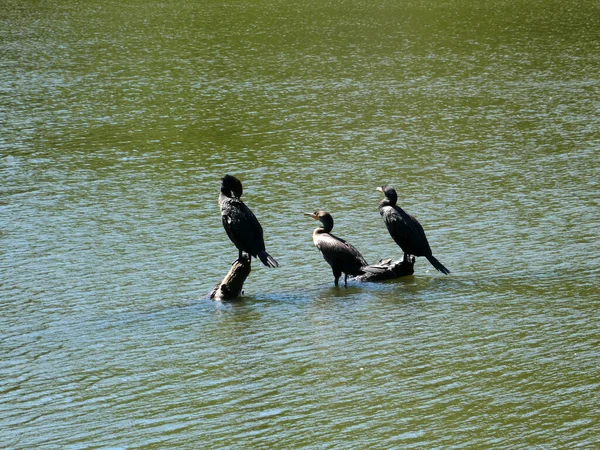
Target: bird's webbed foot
242, 257
409, 259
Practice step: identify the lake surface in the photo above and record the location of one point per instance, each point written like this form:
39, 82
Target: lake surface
118, 120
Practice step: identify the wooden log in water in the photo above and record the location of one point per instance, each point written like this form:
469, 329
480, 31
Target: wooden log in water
387, 269
233, 283
231, 286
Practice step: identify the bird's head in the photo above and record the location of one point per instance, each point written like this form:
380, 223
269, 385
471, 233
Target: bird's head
323, 217
389, 192
231, 186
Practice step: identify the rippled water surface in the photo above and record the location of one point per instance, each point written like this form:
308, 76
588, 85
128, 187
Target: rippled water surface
118, 120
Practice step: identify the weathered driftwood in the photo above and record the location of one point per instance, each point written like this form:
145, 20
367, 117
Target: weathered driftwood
387, 269
232, 284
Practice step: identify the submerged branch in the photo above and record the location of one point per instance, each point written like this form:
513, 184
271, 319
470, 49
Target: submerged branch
387, 269
233, 283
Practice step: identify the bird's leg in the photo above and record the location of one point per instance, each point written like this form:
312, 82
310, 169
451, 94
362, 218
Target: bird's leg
409, 259
336, 276
238, 258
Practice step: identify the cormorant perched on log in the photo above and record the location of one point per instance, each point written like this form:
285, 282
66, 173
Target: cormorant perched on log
341, 256
406, 231
240, 223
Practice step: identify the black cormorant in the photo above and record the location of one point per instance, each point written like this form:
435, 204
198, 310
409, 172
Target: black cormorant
341, 256
240, 223
406, 231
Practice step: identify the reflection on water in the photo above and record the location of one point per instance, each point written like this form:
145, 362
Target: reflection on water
120, 119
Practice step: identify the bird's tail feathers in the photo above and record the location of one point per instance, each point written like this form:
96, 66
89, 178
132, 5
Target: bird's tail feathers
267, 259
438, 265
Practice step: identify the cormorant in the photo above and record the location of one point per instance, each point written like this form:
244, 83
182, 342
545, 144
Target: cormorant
240, 223
406, 231
341, 256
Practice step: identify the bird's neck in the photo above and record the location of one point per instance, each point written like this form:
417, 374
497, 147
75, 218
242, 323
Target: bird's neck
387, 202
323, 230
226, 201
229, 195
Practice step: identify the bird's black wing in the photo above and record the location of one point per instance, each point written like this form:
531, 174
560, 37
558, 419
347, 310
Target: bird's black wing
396, 225
243, 227
419, 246
339, 253
406, 231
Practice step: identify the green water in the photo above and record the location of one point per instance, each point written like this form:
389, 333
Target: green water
118, 120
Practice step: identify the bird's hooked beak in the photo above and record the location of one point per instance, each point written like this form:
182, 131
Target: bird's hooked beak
313, 215
380, 188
